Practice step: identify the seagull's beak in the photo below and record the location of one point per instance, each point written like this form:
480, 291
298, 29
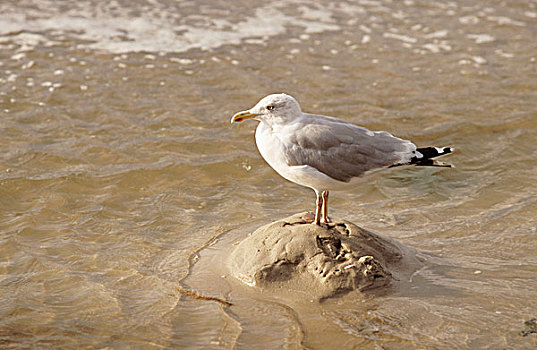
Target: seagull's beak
239, 117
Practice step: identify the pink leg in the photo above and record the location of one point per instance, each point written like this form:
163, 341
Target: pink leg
325, 219
318, 209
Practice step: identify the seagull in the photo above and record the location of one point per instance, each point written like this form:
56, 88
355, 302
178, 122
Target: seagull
326, 153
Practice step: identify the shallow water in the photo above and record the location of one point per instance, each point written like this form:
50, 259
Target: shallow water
122, 182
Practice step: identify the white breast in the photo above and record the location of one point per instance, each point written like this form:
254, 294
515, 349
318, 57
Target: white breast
271, 146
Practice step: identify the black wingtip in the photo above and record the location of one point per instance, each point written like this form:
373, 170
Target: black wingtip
428, 155
433, 152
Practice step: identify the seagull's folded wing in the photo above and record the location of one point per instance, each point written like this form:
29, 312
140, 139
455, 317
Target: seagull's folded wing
342, 150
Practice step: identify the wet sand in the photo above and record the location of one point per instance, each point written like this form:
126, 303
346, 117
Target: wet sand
319, 262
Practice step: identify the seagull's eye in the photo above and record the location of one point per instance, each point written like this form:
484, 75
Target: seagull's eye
270, 107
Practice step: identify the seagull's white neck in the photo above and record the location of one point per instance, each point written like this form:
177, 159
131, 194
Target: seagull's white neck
273, 122
277, 123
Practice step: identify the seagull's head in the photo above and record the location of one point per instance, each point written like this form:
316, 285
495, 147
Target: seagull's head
275, 108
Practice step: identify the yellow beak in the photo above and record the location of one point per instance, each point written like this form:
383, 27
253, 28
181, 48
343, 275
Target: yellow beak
239, 117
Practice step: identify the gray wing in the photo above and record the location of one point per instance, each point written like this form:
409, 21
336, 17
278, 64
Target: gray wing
342, 150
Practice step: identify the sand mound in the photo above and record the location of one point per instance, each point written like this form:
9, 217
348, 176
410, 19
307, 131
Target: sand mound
321, 261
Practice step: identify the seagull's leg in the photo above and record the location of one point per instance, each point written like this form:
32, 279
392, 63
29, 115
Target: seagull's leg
318, 209
325, 219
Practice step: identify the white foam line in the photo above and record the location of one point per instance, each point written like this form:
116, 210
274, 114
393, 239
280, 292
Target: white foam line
404, 38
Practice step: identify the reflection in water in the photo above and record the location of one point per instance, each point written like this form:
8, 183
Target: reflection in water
122, 182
